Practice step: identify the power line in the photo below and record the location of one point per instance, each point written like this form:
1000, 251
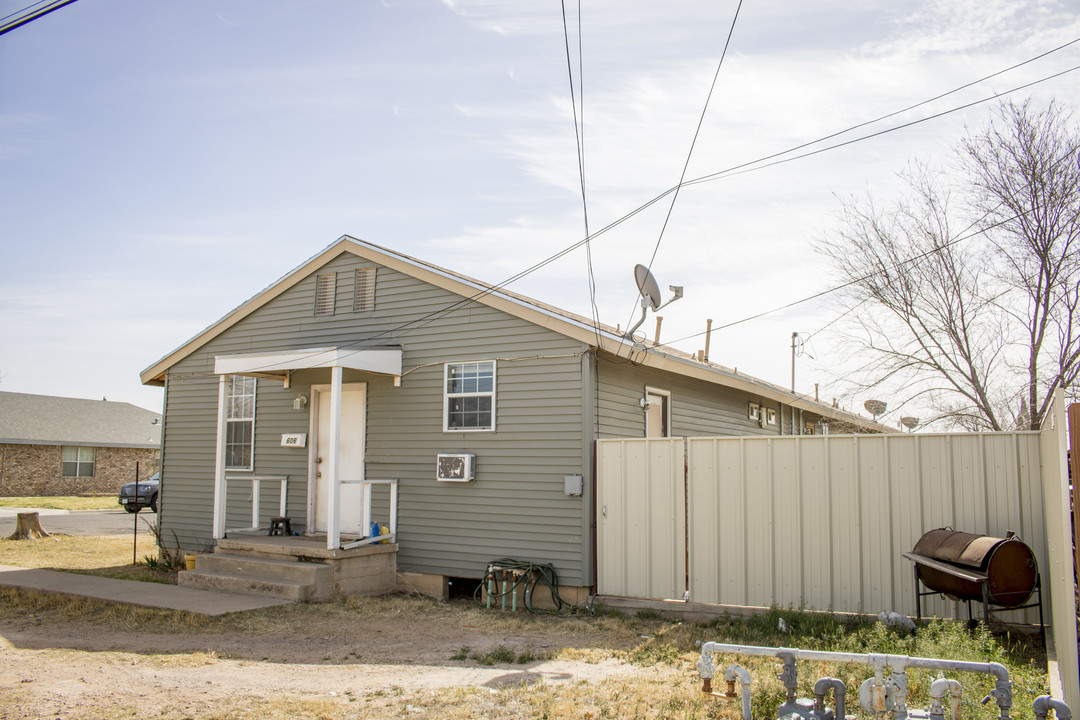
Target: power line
960, 238
755, 164
745, 167
24, 17
579, 139
693, 142
909, 108
489, 289
19, 12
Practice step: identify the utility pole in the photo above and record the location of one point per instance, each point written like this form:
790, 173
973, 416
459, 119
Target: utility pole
794, 337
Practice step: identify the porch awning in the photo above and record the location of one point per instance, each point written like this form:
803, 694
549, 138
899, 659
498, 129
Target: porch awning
382, 360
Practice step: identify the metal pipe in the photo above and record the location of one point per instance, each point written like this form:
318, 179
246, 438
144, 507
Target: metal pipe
790, 674
839, 691
898, 665
1002, 693
734, 672
1045, 703
937, 694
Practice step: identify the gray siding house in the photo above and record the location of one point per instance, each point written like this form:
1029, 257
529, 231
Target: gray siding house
364, 365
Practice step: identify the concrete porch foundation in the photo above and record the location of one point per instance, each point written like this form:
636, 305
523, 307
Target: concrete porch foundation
300, 569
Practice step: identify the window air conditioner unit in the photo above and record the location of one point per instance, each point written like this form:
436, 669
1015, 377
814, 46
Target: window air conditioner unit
459, 467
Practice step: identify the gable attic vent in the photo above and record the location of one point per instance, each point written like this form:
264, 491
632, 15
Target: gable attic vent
364, 289
324, 294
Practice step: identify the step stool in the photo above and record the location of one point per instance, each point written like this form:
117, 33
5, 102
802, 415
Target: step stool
280, 526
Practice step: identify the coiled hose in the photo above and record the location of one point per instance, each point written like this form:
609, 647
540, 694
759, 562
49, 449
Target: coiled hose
526, 575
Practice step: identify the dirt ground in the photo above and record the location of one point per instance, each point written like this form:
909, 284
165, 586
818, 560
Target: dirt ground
80, 669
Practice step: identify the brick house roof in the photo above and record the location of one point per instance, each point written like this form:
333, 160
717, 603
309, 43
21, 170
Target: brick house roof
47, 420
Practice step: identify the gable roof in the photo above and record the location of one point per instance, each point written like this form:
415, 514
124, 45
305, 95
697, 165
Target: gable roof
602, 337
48, 420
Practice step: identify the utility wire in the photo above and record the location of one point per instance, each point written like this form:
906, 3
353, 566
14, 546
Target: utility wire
579, 139
693, 142
899, 265
909, 108
19, 12
23, 19
745, 167
760, 163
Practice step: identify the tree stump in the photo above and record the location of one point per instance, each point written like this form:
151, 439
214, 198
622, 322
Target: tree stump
28, 527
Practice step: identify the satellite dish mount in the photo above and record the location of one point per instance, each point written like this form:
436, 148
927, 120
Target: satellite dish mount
650, 295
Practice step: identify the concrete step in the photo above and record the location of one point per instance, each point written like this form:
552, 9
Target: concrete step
284, 568
250, 574
249, 585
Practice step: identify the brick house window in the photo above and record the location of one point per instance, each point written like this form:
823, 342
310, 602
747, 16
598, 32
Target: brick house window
78, 462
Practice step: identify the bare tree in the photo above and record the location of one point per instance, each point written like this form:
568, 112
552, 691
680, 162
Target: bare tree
963, 293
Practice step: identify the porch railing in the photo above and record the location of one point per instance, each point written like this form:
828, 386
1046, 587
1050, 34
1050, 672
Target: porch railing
256, 487
366, 515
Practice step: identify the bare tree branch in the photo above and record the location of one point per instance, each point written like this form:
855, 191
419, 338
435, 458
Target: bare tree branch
978, 332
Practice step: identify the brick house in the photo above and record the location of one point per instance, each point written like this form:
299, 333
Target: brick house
68, 446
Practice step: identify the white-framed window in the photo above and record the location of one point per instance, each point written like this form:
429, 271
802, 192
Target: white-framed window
753, 411
469, 396
78, 462
239, 422
657, 413
771, 415
325, 292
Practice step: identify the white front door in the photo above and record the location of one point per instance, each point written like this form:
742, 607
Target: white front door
350, 457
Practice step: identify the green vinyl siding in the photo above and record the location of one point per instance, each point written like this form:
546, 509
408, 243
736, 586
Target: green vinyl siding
697, 408
515, 508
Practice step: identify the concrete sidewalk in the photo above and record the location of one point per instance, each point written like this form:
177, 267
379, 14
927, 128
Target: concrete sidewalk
173, 597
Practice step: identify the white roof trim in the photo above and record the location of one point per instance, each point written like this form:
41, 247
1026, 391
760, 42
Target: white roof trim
385, 361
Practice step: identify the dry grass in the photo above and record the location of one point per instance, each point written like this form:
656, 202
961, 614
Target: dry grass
108, 556
98, 502
667, 686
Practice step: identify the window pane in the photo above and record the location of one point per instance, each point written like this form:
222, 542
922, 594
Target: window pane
469, 412
71, 469
71, 454
238, 444
240, 398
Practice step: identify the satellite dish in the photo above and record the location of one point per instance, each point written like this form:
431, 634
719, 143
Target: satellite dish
650, 295
874, 407
646, 285
909, 422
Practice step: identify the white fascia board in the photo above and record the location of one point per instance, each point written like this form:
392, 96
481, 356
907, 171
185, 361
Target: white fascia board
385, 361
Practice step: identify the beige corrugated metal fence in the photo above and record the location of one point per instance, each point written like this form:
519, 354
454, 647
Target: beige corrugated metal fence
806, 521
821, 522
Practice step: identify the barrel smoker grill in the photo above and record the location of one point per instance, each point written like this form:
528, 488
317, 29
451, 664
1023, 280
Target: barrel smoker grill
962, 566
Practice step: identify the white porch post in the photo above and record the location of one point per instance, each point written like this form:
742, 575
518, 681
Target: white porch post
333, 481
219, 463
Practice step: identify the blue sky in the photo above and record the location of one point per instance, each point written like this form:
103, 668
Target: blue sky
161, 162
